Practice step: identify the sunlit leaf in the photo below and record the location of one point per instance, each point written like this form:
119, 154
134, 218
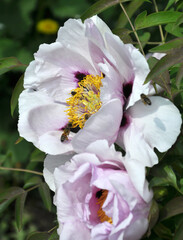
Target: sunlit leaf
19, 207
99, 7
45, 195
15, 95
175, 30
169, 46
164, 63
172, 208
154, 19
38, 236
7, 64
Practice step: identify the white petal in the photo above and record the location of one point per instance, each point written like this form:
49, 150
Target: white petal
102, 125
160, 121
50, 163
141, 70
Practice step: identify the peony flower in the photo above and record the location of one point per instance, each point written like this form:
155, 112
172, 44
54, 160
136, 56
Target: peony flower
98, 194
78, 87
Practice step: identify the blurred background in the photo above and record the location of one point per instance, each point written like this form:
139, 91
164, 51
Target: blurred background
24, 25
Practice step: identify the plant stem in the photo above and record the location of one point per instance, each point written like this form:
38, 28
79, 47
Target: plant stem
21, 170
32, 188
160, 27
52, 229
136, 35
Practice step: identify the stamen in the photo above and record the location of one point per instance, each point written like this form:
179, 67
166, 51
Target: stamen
84, 100
102, 195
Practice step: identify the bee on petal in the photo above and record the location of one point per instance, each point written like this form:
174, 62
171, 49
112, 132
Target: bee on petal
145, 99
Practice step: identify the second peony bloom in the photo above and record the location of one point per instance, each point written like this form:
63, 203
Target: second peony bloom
98, 194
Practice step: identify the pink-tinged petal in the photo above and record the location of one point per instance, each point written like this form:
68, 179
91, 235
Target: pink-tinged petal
101, 231
73, 229
50, 163
160, 122
132, 140
141, 70
102, 125
137, 173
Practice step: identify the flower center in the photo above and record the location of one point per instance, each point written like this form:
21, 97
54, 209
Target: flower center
85, 100
101, 196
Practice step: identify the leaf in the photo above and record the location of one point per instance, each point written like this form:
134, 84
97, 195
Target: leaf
179, 20
173, 29
15, 95
45, 195
99, 7
179, 232
37, 156
130, 9
124, 34
9, 196
144, 38
163, 232
179, 76
19, 207
169, 4
54, 235
164, 63
154, 19
38, 236
153, 216
32, 182
169, 46
7, 64
172, 208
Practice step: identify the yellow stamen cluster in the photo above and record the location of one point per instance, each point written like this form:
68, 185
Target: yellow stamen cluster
85, 100
101, 214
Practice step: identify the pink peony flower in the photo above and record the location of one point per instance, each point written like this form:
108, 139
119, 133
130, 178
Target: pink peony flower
78, 87
99, 194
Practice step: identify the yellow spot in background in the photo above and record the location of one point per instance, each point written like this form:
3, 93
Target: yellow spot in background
47, 26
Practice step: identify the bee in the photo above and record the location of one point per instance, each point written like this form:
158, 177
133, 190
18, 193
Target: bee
87, 116
145, 99
65, 134
73, 93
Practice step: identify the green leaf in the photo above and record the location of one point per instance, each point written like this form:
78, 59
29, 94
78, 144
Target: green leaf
172, 208
171, 177
32, 182
130, 9
144, 38
15, 95
179, 232
37, 156
38, 236
179, 20
179, 76
123, 33
169, 4
54, 235
153, 216
154, 19
175, 30
7, 64
176, 56
163, 232
99, 7
9, 196
19, 207
169, 46
45, 195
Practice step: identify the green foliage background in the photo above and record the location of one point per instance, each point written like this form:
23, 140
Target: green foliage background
28, 207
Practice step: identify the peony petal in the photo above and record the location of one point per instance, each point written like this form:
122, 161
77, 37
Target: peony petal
50, 163
101, 125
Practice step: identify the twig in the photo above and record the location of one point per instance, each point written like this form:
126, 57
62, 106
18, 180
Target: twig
21, 170
136, 35
160, 27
